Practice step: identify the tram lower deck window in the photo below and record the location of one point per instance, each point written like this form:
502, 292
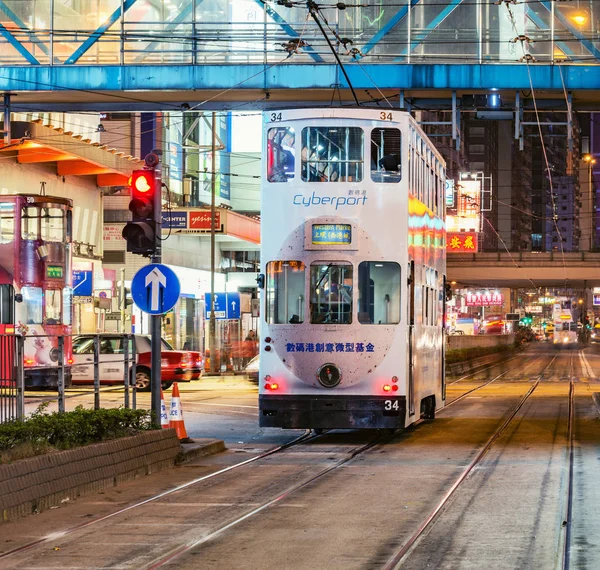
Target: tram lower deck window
331, 293
285, 292
378, 293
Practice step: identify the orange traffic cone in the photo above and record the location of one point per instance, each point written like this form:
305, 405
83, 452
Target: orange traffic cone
164, 418
176, 418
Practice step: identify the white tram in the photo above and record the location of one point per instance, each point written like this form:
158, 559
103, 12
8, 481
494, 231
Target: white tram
353, 265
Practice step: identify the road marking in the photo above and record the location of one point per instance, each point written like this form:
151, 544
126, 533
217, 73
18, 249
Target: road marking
587, 369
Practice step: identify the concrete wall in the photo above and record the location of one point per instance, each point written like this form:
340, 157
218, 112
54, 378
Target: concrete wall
468, 341
32, 485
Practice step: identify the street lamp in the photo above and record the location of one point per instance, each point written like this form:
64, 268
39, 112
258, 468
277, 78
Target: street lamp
590, 160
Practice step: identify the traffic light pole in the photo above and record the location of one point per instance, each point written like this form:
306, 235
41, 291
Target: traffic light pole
155, 320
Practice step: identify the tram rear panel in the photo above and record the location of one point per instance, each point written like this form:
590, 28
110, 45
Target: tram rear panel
353, 262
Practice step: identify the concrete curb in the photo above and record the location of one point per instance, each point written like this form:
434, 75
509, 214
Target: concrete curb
199, 448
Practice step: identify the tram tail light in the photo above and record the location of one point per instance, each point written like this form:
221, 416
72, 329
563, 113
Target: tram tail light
69, 361
387, 388
271, 386
29, 362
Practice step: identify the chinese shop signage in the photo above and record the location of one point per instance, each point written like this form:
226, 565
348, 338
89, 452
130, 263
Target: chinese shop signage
483, 299
464, 242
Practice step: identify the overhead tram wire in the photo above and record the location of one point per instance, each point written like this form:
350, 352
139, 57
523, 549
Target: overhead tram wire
314, 12
527, 59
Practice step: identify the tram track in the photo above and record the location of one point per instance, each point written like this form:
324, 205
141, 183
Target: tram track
307, 437
403, 554
304, 438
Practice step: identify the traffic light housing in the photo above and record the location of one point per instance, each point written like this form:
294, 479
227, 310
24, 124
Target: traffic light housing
143, 231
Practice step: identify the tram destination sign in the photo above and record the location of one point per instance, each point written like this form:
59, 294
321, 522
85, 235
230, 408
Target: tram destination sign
331, 234
54, 271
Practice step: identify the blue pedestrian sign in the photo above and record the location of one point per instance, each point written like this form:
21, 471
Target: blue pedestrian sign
227, 305
155, 289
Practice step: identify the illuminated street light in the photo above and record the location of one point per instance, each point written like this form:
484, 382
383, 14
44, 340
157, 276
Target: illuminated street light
579, 19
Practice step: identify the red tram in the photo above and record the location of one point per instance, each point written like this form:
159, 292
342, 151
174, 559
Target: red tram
35, 282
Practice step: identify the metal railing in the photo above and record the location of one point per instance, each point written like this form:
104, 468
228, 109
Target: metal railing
198, 33
11, 378
93, 372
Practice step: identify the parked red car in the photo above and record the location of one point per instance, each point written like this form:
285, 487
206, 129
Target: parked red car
176, 365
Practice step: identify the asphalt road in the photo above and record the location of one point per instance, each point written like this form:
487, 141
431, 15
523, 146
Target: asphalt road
330, 503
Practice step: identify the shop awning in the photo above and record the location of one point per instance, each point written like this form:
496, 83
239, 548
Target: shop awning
73, 154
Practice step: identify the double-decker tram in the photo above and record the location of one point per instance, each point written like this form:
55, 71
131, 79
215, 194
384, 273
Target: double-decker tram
35, 282
353, 265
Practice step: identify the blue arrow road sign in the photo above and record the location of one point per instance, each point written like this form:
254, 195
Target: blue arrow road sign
155, 289
227, 305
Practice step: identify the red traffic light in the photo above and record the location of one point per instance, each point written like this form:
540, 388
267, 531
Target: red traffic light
142, 182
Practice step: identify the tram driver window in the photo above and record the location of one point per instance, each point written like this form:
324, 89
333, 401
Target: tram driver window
332, 154
385, 155
281, 154
331, 293
285, 292
378, 293
32, 305
53, 225
53, 306
30, 218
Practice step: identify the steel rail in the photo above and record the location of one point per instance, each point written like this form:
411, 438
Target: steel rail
401, 554
566, 527
306, 436
178, 551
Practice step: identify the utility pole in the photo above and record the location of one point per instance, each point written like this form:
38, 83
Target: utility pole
212, 326
153, 161
122, 301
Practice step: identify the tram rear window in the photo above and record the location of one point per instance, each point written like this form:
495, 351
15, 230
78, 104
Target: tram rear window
30, 217
285, 292
32, 305
332, 154
378, 293
331, 293
281, 154
53, 224
385, 155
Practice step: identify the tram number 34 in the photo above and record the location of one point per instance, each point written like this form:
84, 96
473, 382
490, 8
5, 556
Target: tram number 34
390, 405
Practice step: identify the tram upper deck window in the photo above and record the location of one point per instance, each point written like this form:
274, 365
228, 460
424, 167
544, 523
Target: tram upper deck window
285, 292
385, 155
7, 223
378, 293
281, 154
331, 293
30, 217
332, 154
53, 224
32, 305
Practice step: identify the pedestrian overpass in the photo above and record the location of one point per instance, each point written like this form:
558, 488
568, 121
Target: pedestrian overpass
525, 269
165, 55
